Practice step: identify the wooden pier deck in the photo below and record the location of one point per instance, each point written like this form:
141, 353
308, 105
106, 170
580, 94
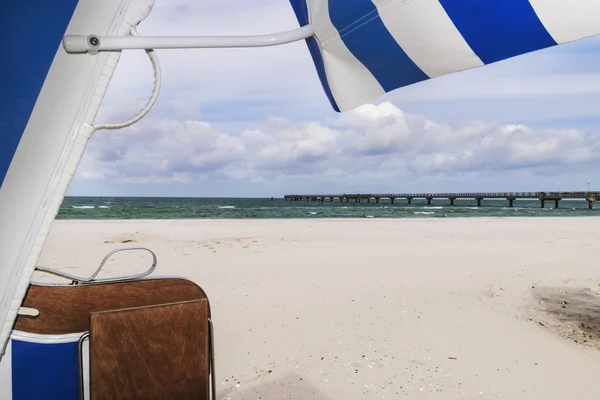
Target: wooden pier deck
591, 197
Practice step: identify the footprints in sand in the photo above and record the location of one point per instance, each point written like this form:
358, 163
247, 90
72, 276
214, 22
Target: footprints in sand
130, 238
254, 245
294, 385
122, 238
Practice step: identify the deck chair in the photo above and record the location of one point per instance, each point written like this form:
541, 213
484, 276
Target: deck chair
132, 337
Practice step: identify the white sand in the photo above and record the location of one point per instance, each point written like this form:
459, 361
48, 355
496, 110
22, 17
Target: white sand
372, 309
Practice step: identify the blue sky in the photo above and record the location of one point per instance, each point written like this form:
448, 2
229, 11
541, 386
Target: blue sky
256, 122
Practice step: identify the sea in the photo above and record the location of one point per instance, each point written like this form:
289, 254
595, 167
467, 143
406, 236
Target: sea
278, 208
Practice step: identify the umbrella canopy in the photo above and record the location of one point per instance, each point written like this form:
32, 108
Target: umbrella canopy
365, 48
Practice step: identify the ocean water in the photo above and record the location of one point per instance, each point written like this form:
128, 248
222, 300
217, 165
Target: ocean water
237, 208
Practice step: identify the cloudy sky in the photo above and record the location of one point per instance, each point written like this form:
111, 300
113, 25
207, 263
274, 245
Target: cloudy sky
256, 122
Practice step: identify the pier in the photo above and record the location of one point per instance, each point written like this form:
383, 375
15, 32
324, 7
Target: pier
511, 197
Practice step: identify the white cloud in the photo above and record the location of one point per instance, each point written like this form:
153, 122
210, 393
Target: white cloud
371, 139
90, 175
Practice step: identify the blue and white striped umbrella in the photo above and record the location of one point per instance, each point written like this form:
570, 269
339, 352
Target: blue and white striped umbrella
365, 48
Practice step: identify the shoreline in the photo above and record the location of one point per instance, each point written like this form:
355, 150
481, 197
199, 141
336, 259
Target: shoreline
503, 217
422, 308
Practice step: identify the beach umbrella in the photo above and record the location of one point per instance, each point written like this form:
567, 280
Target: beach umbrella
365, 48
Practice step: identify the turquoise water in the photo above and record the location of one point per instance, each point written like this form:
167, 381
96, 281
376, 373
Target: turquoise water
213, 208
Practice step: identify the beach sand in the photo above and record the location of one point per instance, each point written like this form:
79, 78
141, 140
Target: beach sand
476, 308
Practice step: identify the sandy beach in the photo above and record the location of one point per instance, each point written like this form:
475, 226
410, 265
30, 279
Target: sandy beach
475, 308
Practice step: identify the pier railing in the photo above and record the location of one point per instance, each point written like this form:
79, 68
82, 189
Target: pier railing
479, 196
472, 195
